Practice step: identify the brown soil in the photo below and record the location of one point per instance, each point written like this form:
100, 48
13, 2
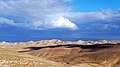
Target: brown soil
56, 53
9, 58
102, 55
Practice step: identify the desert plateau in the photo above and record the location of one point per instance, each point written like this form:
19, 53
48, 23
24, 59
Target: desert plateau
57, 53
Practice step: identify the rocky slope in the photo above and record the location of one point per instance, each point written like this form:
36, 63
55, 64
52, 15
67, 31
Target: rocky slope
65, 53
9, 58
97, 56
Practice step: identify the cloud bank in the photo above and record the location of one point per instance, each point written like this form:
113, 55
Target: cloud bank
54, 14
106, 20
36, 14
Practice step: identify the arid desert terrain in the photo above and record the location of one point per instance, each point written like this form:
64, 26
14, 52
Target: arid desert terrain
57, 53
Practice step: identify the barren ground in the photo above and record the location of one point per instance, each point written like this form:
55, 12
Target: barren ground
36, 54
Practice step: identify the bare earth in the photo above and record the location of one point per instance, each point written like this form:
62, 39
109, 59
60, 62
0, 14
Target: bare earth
56, 53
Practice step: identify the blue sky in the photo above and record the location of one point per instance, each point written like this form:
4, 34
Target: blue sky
94, 5
25, 20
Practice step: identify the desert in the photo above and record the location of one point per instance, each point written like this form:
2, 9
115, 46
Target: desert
57, 53
59, 33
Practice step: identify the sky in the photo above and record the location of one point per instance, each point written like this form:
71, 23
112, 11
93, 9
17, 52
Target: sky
26, 20
95, 5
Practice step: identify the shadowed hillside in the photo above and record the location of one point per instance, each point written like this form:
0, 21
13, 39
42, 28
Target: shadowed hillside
98, 55
61, 54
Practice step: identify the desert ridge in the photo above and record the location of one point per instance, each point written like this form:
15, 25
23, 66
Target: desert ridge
57, 53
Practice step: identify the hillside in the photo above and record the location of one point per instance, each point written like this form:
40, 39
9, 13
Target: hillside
9, 58
56, 53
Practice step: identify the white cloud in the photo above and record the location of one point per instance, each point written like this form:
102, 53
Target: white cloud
106, 20
90, 16
6, 21
45, 14
54, 24
63, 23
36, 14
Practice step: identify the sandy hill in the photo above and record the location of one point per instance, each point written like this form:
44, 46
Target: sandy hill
60, 54
9, 58
95, 56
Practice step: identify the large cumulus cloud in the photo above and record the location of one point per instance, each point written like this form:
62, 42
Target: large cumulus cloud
36, 14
